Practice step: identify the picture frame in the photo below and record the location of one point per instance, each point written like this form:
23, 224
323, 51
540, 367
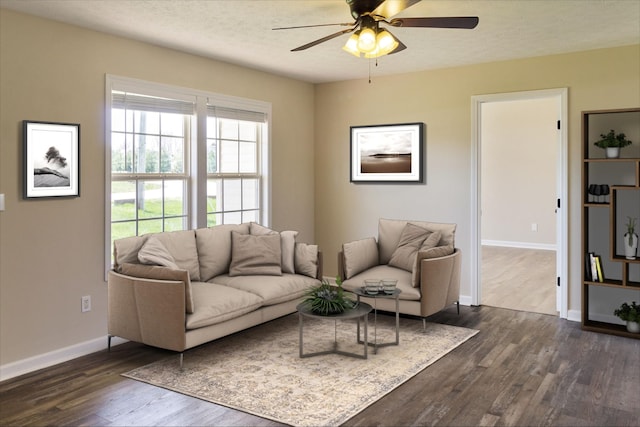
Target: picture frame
51, 159
387, 153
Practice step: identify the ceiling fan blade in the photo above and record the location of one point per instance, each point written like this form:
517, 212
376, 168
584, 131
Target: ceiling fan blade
317, 25
322, 40
467, 22
390, 8
400, 48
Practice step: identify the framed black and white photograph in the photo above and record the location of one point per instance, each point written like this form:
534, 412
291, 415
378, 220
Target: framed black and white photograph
51, 159
387, 153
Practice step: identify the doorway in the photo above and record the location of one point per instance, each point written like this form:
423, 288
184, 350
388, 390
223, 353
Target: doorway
519, 238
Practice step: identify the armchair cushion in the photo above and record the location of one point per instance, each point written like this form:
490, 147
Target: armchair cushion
389, 231
412, 239
359, 256
255, 255
435, 252
407, 292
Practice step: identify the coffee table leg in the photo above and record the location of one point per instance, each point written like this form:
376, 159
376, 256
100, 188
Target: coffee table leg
397, 320
366, 334
300, 328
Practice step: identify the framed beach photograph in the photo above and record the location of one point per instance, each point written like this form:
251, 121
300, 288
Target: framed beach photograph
51, 159
387, 153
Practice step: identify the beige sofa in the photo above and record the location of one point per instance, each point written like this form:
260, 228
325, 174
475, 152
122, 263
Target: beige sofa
176, 290
420, 255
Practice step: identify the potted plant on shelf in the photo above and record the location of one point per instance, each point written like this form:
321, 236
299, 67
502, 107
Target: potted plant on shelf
630, 239
630, 314
612, 143
327, 299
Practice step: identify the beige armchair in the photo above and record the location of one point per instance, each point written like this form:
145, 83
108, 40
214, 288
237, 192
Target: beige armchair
420, 255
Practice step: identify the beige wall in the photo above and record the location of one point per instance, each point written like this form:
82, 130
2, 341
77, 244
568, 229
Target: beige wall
52, 251
599, 79
520, 142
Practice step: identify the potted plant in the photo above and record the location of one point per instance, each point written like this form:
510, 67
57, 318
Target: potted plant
327, 299
630, 239
630, 314
612, 143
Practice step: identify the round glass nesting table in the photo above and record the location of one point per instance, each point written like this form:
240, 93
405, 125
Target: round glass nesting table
361, 311
396, 294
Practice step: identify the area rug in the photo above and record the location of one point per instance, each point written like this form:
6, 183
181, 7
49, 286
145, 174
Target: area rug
259, 370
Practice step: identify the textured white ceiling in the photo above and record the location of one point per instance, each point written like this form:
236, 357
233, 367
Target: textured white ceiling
240, 31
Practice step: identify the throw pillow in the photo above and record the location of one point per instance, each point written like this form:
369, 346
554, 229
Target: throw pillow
306, 259
161, 273
287, 244
153, 252
411, 240
359, 255
214, 249
255, 255
425, 253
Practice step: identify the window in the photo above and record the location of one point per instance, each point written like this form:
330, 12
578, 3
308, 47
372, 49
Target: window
181, 159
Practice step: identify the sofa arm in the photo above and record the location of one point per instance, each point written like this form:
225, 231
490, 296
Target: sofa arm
147, 310
439, 282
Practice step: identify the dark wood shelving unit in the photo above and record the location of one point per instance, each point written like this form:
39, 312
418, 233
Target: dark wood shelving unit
594, 211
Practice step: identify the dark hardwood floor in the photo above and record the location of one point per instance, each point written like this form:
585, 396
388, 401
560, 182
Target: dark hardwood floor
522, 369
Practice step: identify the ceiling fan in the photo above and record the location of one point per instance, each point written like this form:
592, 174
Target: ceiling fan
369, 38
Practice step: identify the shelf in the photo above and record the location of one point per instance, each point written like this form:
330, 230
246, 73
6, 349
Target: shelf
601, 228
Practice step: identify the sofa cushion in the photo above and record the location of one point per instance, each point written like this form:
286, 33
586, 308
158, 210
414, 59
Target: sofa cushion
153, 252
407, 291
182, 247
215, 303
425, 253
214, 248
359, 255
287, 244
126, 250
255, 255
161, 273
271, 289
306, 259
389, 231
411, 239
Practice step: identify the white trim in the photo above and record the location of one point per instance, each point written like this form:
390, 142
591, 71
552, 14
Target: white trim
563, 191
521, 245
24, 366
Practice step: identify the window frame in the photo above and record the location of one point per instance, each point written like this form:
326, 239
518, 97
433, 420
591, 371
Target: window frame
196, 149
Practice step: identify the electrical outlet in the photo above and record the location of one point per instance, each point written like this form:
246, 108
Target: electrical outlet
534, 227
86, 303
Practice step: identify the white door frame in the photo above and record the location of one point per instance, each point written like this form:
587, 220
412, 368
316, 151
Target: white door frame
562, 170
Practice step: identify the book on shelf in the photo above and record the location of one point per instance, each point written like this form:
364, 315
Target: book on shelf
599, 268
594, 269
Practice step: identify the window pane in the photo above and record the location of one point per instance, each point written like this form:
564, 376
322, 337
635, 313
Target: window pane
150, 199
232, 195
248, 131
172, 124
117, 120
146, 122
120, 230
250, 194
174, 200
229, 156
212, 156
228, 129
214, 219
175, 224
172, 160
147, 154
123, 198
250, 216
121, 153
149, 226
248, 157
232, 218
214, 189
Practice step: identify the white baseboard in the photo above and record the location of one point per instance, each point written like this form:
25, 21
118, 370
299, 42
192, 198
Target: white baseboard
521, 245
54, 357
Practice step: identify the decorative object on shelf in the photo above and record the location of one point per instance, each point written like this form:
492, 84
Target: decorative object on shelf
612, 143
327, 299
630, 239
51, 159
630, 314
387, 153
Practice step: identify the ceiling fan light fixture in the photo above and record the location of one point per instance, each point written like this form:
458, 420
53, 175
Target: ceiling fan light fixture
351, 45
367, 40
385, 42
